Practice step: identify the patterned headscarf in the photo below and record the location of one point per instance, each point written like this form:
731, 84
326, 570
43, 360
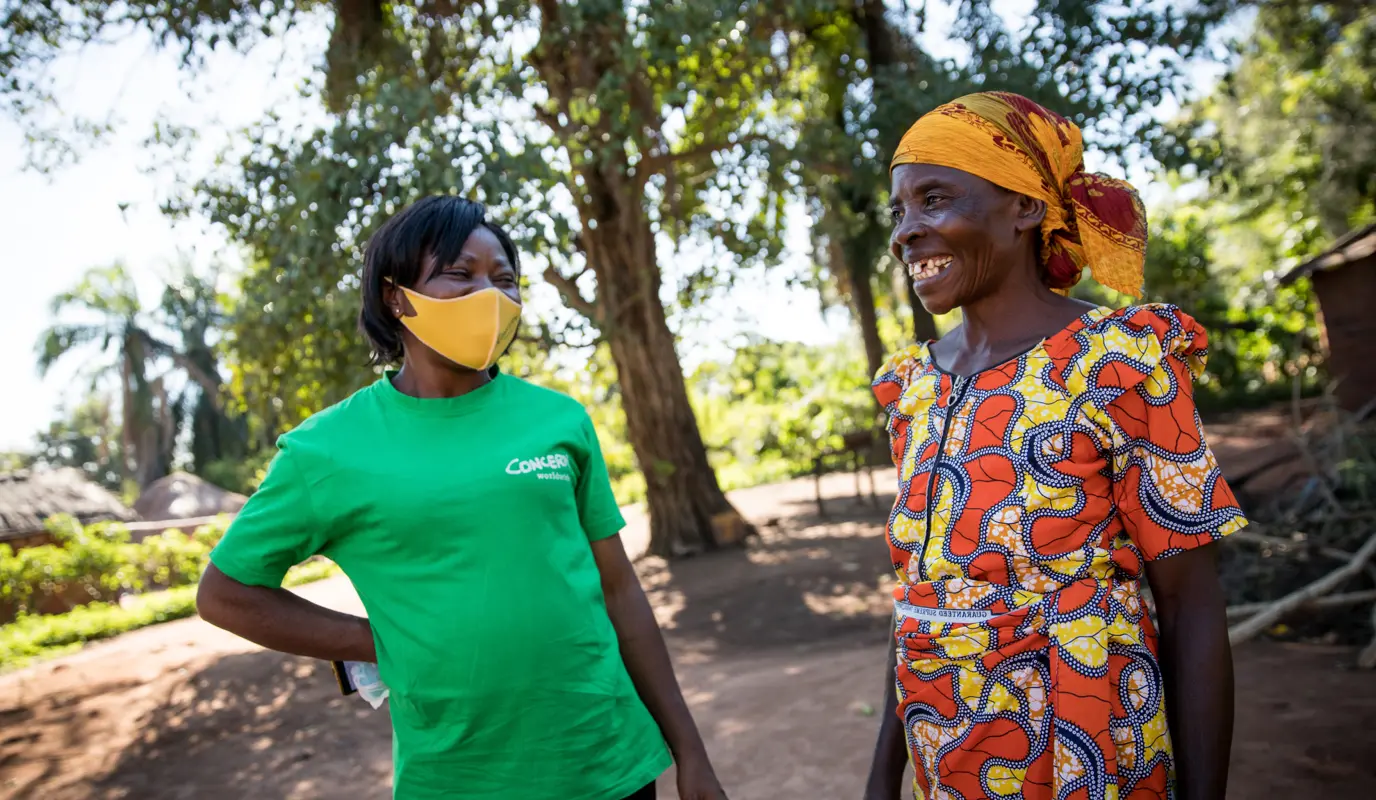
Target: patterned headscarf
1091, 220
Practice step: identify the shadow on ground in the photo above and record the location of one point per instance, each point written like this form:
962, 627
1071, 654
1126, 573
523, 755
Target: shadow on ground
63, 723
780, 649
805, 581
263, 725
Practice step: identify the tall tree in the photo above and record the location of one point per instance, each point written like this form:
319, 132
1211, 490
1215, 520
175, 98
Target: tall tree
103, 314
614, 78
193, 312
845, 159
603, 132
113, 322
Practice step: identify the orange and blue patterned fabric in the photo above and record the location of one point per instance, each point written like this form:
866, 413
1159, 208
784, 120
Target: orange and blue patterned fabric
1091, 220
1030, 495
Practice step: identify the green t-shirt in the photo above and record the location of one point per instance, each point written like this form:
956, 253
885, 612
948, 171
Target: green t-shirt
464, 525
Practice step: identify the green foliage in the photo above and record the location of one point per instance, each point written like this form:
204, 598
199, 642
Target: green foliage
1287, 139
35, 33
1285, 146
109, 584
33, 637
775, 405
87, 438
1260, 335
99, 563
664, 116
242, 475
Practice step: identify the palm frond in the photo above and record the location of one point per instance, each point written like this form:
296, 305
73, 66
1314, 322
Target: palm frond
59, 340
107, 290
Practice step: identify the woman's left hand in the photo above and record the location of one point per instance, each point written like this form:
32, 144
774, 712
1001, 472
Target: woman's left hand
647, 661
697, 781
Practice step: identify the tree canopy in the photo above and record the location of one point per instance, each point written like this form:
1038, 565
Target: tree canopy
1286, 138
643, 155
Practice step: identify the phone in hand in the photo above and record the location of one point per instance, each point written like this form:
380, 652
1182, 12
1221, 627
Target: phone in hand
341, 677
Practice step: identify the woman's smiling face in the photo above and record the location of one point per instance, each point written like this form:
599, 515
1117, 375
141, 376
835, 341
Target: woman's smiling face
958, 234
481, 264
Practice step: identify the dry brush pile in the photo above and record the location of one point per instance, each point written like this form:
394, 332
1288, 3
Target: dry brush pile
1306, 566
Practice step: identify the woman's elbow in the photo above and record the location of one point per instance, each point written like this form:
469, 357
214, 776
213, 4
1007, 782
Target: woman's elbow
215, 598
1186, 580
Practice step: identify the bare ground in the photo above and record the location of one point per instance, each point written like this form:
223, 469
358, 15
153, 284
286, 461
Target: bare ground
779, 648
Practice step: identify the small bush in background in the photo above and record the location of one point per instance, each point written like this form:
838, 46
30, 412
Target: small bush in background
98, 563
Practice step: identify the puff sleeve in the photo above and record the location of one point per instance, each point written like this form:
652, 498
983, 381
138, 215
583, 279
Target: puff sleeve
889, 386
1169, 491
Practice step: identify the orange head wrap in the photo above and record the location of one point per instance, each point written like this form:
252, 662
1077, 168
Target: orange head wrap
1091, 220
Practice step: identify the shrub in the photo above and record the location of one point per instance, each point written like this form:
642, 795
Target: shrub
32, 637
98, 563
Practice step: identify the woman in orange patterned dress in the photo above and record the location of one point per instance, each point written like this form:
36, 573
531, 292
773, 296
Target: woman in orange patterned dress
1049, 459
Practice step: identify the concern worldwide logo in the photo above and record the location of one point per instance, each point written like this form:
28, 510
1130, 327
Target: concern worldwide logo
552, 467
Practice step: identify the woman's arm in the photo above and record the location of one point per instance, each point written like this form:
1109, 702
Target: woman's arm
647, 661
891, 749
1197, 664
279, 620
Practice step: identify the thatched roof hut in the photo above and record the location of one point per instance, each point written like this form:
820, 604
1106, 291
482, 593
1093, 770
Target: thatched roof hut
184, 496
28, 498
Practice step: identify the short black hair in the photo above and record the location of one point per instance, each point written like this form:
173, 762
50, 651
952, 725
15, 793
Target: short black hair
434, 227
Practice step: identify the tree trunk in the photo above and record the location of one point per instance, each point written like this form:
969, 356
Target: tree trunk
883, 49
689, 513
869, 323
158, 445
860, 287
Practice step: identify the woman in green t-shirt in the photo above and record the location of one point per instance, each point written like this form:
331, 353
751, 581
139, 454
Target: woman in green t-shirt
472, 512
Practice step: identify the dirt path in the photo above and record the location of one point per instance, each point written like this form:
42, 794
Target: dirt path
778, 647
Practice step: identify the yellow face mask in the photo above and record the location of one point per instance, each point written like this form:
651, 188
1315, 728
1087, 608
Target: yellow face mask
472, 331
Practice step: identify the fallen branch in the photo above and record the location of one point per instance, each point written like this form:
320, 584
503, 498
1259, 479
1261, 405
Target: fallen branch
1288, 545
1245, 610
1262, 620
1300, 438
